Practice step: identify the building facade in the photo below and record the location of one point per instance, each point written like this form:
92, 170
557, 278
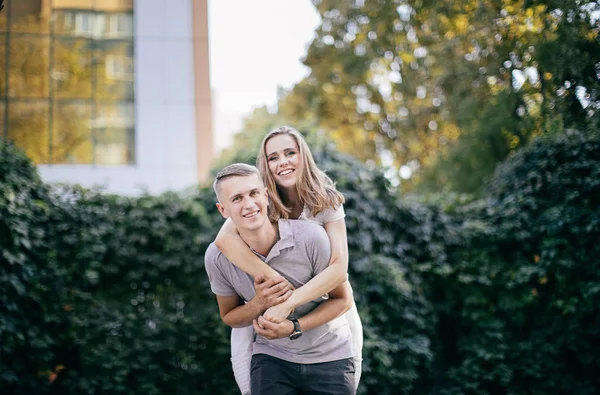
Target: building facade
113, 93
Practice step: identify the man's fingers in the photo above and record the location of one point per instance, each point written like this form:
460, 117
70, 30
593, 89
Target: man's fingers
279, 288
276, 290
284, 297
269, 282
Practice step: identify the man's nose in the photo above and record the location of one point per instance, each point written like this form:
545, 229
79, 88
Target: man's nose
249, 203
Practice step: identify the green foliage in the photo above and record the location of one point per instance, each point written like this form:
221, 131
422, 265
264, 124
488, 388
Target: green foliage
106, 294
521, 299
31, 320
142, 308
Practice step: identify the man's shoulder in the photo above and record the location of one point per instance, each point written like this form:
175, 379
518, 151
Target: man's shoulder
213, 255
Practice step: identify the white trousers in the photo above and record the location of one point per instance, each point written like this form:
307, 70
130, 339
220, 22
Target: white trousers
241, 350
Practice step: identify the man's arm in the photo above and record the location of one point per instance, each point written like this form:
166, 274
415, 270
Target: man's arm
235, 313
340, 300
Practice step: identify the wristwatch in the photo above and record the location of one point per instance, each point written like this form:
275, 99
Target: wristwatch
297, 330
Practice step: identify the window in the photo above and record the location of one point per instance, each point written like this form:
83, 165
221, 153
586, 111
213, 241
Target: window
67, 80
84, 24
119, 68
119, 26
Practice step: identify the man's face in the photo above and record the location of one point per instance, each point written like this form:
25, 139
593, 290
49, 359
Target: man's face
244, 200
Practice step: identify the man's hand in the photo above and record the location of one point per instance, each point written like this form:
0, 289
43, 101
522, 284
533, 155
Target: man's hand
271, 292
271, 330
278, 313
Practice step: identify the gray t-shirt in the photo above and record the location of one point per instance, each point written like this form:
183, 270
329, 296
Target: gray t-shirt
302, 252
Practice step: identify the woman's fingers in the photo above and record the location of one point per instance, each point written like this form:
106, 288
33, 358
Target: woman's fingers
263, 330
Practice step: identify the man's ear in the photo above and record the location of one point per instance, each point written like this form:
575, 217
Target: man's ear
268, 197
221, 209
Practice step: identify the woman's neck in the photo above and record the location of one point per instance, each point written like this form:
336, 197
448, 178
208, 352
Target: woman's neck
291, 200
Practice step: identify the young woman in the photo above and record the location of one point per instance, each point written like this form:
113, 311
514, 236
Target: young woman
298, 189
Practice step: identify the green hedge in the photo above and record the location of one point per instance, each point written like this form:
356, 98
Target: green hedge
107, 294
518, 311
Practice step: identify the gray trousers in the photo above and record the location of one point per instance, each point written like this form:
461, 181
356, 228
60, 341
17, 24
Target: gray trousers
273, 376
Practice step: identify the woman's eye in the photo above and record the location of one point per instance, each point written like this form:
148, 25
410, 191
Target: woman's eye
291, 153
271, 159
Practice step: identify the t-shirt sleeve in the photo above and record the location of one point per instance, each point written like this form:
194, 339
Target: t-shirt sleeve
331, 214
219, 284
320, 250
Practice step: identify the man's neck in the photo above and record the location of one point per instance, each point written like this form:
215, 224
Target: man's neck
261, 240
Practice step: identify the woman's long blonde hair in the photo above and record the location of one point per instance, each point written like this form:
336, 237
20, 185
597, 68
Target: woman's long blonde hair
315, 189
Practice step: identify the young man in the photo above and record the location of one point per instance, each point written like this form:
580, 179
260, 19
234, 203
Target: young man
311, 352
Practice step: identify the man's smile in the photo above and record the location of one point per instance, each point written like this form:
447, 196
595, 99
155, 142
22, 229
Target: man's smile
252, 214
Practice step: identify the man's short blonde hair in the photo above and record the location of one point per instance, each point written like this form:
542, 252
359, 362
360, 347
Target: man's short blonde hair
234, 170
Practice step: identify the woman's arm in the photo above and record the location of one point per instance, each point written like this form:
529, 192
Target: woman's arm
231, 245
340, 300
333, 276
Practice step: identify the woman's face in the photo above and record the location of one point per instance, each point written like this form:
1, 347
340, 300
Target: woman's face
283, 157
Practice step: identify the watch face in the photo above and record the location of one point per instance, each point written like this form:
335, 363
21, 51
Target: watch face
295, 335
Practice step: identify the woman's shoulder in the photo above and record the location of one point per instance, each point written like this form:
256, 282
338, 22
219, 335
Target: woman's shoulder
324, 217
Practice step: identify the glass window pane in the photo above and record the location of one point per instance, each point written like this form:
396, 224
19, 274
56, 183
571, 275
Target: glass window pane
73, 17
71, 134
113, 147
72, 75
28, 67
118, 115
114, 70
30, 16
113, 127
3, 21
116, 25
2, 65
2, 118
28, 128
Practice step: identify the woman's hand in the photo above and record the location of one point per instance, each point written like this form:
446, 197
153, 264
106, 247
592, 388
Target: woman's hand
278, 313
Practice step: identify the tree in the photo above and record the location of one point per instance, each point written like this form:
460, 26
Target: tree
414, 79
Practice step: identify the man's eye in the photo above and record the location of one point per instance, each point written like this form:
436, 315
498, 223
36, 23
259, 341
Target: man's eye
236, 199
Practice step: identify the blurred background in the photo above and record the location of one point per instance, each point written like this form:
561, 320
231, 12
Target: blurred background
463, 134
